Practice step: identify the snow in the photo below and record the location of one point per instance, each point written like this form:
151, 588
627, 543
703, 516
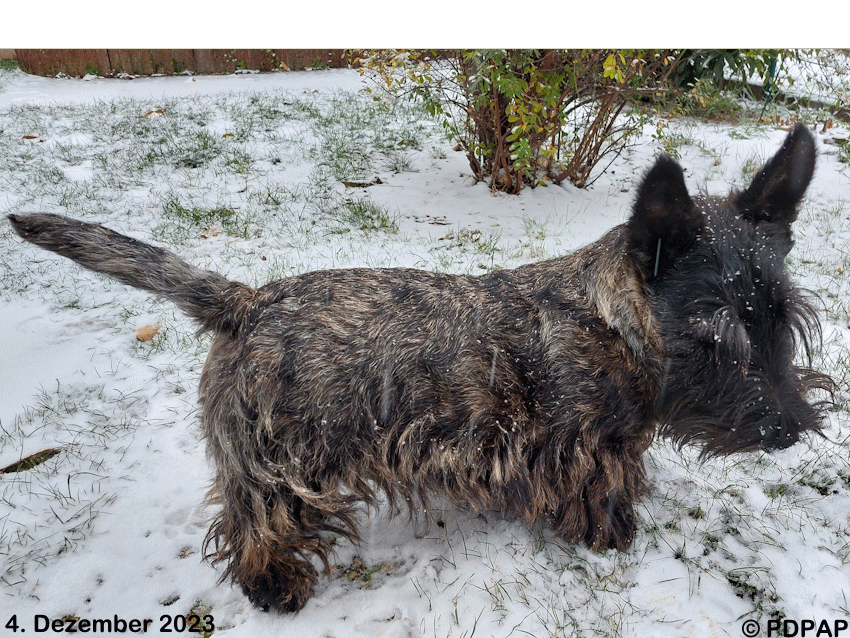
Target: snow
30, 89
113, 525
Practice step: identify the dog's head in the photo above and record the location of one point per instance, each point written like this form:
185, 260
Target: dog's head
731, 320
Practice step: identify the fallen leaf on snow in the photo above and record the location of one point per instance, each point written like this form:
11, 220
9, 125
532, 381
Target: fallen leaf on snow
29, 462
347, 184
147, 333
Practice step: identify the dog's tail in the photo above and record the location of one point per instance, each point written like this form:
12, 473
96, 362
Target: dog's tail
215, 302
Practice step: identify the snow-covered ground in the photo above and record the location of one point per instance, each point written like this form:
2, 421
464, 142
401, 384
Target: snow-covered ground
243, 174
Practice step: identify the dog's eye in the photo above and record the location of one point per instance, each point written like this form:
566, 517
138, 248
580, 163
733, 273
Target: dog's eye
726, 334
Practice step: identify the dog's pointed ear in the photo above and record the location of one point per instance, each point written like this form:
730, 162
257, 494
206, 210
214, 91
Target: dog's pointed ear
664, 223
779, 186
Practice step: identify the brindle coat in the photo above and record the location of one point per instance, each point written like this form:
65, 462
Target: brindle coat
534, 391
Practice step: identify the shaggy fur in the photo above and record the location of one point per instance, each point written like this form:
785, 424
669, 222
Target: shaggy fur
534, 391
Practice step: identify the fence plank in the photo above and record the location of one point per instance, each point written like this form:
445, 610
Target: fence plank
76, 62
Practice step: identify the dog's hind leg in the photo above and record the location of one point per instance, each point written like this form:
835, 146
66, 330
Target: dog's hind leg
266, 533
273, 513
262, 537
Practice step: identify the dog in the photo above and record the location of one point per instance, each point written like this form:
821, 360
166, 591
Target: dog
533, 391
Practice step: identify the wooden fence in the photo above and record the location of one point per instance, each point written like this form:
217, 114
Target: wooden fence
111, 62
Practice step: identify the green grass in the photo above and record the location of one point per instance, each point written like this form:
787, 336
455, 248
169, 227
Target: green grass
843, 151
750, 166
198, 215
671, 137
364, 215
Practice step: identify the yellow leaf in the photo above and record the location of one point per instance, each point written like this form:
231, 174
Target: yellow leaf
147, 333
